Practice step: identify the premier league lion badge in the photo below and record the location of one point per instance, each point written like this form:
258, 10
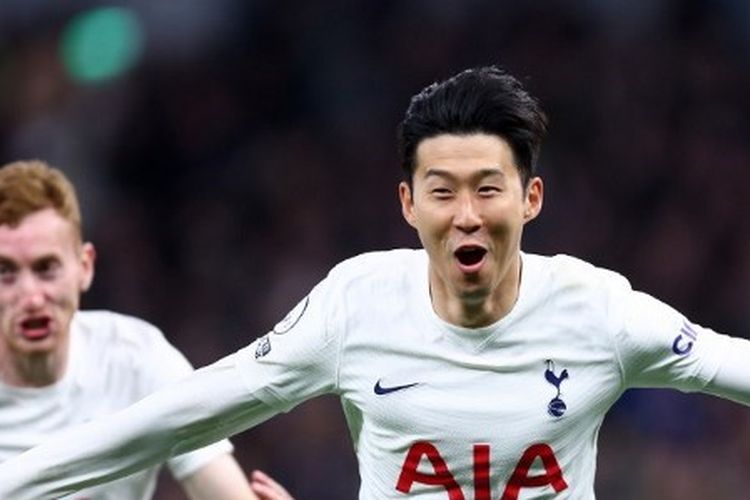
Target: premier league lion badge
292, 318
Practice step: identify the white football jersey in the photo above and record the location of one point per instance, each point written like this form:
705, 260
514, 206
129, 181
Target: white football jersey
436, 412
115, 360
509, 411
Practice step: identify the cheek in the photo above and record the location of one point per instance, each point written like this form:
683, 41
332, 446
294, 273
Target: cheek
511, 214
4, 313
431, 218
7, 300
66, 294
432, 232
429, 231
7, 313
71, 296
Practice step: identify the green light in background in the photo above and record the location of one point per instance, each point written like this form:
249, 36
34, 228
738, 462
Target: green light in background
101, 44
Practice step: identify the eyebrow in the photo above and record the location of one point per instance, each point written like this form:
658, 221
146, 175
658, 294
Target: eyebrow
479, 174
4, 261
8, 261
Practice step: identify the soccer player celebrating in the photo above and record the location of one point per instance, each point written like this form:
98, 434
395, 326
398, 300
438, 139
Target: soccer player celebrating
59, 366
467, 369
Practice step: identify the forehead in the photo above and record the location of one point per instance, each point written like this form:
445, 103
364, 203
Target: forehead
459, 152
41, 232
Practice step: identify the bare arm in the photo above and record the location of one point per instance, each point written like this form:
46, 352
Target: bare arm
268, 489
220, 479
223, 479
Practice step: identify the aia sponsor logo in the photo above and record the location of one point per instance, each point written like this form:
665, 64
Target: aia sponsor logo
438, 474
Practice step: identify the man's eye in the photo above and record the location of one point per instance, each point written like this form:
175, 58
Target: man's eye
7, 273
47, 269
489, 190
441, 192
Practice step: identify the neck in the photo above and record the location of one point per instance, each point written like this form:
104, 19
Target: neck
482, 309
31, 370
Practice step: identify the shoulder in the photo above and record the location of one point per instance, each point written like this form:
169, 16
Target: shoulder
386, 263
369, 278
565, 280
380, 272
125, 347
572, 271
587, 301
116, 329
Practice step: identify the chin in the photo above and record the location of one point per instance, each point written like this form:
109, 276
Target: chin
472, 283
38, 347
473, 294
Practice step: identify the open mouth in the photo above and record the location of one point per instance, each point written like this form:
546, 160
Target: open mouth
35, 328
470, 256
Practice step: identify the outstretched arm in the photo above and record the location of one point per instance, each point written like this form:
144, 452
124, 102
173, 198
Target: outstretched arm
732, 381
210, 404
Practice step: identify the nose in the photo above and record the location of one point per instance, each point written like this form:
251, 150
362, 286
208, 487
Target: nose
31, 292
467, 218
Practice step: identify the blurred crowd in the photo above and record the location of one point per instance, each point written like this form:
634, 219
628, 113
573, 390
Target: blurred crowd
252, 146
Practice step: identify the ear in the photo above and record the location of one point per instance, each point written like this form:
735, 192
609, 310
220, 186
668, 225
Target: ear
407, 203
533, 198
88, 256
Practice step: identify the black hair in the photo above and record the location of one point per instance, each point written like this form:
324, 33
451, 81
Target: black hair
478, 100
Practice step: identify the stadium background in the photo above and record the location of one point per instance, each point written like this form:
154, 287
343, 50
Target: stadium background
229, 152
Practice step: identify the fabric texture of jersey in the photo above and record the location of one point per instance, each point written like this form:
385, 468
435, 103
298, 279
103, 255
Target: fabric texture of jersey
538, 382
115, 360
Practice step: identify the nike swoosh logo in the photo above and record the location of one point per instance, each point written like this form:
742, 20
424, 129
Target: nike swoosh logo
380, 390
